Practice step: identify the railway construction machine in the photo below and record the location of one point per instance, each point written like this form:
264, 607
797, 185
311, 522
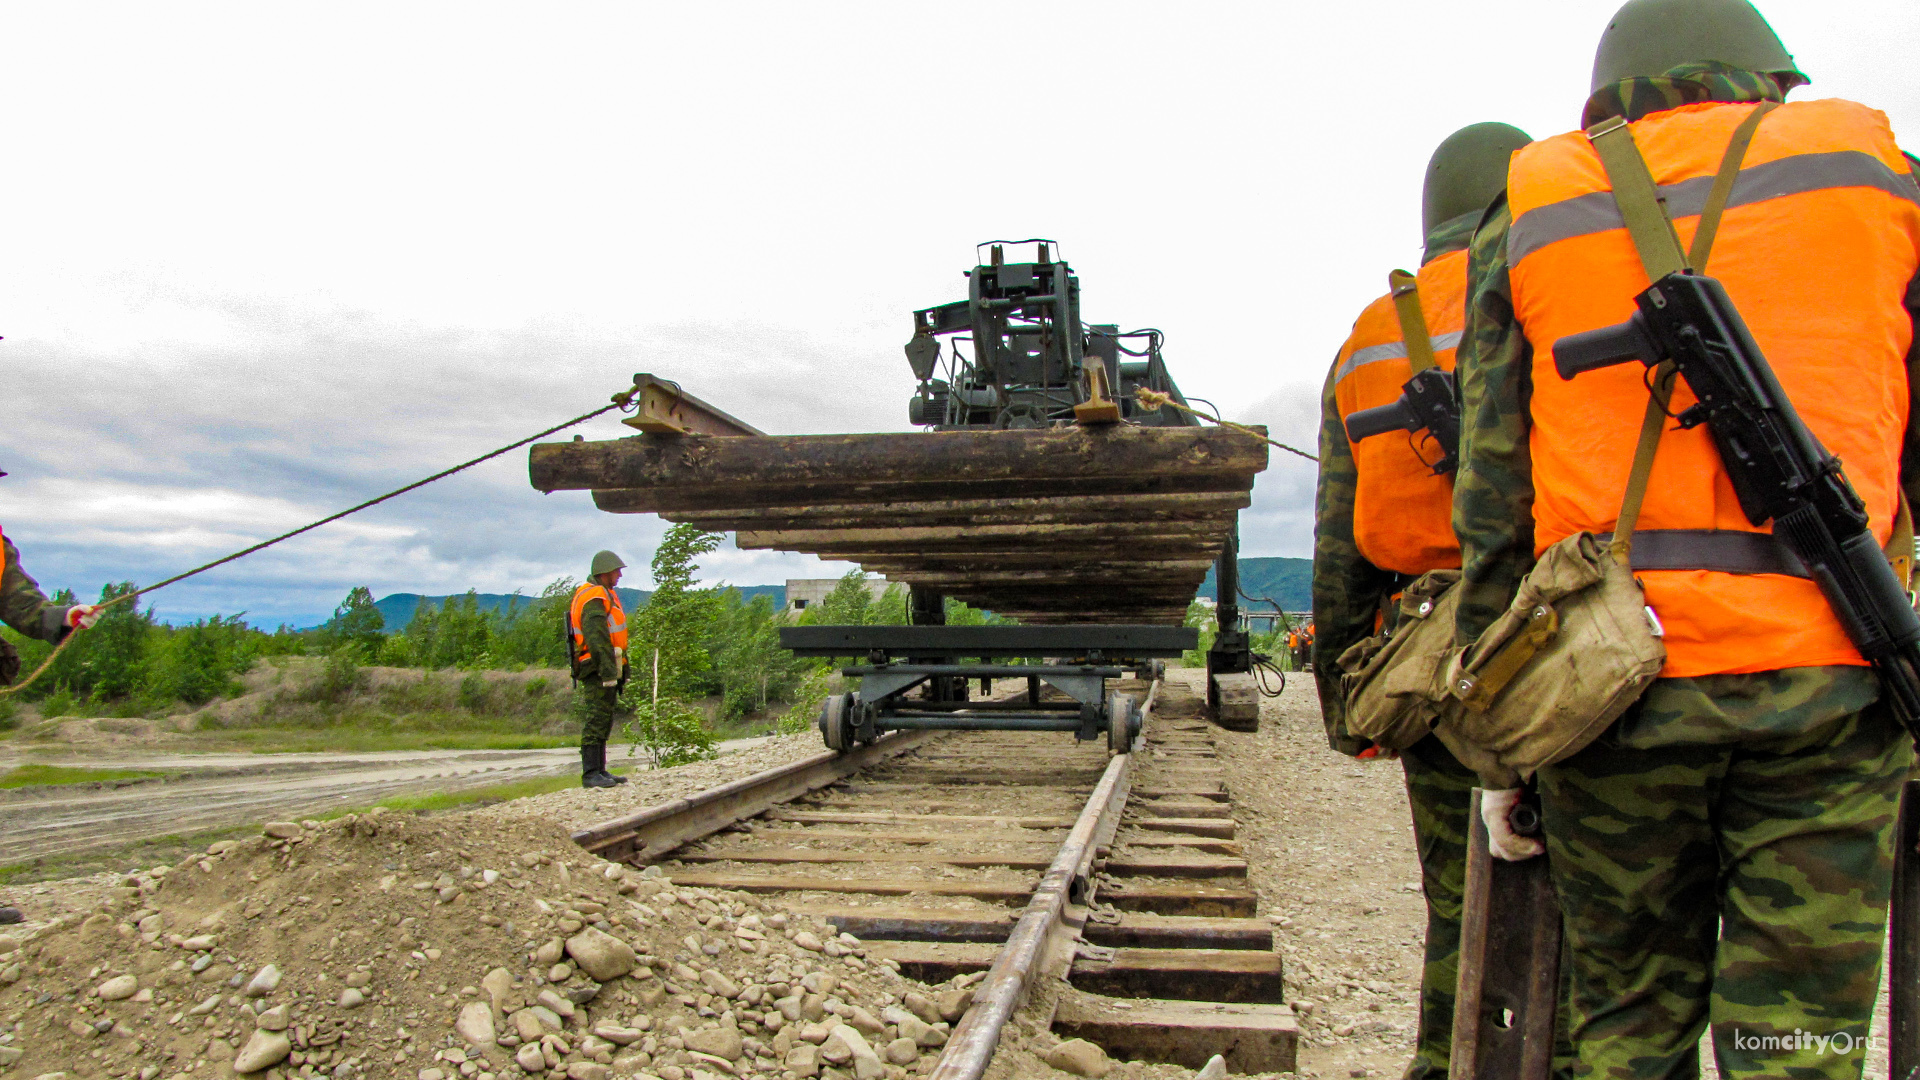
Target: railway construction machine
1044, 493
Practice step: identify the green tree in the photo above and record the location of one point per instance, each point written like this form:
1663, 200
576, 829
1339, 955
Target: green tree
202, 660
462, 634
530, 631
677, 622
752, 669
356, 622
422, 635
109, 661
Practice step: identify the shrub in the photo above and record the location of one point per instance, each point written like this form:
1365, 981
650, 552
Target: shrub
340, 677
807, 700
670, 733
474, 692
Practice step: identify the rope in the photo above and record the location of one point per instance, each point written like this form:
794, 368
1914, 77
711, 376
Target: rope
620, 401
1152, 400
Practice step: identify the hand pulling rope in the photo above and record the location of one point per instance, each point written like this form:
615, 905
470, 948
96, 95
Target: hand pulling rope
621, 400
1152, 400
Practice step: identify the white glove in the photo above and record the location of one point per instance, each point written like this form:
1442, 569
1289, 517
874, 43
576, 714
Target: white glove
1501, 839
610, 682
83, 616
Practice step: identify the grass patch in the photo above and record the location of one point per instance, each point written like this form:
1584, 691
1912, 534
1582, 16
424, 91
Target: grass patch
41, 775
360, 740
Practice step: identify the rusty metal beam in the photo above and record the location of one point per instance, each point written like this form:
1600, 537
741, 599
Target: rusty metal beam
663, 408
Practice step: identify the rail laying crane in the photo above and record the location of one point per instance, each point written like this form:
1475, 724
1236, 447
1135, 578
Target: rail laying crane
1034, 364
1045, 493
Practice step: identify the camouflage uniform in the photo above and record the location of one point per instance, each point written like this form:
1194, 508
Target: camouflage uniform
25, 608
1722, 854
1347, 594
597, 705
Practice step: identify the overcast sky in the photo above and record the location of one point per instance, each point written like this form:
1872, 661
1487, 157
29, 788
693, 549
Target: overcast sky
265, 260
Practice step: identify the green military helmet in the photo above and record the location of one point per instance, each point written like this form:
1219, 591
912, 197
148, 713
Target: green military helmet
1647, 38
605, 562
1467, 171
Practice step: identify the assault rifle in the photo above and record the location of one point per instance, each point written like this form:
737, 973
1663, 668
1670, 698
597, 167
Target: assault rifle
1779, 470
1426, 403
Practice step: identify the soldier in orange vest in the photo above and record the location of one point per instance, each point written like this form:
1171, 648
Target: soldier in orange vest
1383, 519
1722, 852
597, 647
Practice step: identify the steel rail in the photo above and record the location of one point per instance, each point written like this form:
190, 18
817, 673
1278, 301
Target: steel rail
973, 1042
659, 829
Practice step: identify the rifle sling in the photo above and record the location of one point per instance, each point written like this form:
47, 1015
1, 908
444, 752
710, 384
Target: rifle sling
1405, 290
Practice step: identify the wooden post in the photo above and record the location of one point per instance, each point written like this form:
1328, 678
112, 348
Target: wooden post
1507, 998
1903, 934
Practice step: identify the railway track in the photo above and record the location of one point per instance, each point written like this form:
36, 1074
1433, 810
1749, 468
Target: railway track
1106, 895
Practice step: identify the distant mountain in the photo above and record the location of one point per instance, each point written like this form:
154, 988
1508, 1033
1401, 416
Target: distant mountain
1289, 581
398, 608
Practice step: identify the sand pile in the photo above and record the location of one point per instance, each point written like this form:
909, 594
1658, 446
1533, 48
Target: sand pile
389, 945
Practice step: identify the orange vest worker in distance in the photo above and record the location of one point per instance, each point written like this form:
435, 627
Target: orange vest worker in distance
616, 622
597, 647
1816, 248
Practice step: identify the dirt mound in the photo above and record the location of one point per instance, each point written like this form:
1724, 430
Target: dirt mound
390, 945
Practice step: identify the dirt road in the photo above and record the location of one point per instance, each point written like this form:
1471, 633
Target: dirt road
211, 791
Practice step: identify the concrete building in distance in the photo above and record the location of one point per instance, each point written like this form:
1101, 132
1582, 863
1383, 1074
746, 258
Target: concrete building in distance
803, 593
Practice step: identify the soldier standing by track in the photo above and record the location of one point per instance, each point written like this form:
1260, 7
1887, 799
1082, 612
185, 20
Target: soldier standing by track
1382, 519
1721, 853
25, 608
597, 646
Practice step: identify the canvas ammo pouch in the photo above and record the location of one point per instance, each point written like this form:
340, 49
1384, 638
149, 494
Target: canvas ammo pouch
1573, 651
1394, 683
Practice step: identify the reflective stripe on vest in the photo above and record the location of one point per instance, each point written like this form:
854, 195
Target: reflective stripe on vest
1596, 212
1392, 350
1818, 244
616, 620
1402, 512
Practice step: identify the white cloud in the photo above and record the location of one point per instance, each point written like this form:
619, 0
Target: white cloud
275, 259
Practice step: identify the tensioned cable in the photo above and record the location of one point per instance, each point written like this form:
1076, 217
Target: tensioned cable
1151, 400
621, 400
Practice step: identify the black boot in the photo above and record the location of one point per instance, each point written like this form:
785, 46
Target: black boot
9, 915
593, 766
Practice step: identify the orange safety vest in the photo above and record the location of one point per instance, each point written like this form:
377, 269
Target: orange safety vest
1402, 511
1817, 245
616, 621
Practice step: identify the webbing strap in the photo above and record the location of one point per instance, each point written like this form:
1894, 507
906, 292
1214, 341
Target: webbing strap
1638, 199
1659, 247
1405, 289
1723, 185
1650, 427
